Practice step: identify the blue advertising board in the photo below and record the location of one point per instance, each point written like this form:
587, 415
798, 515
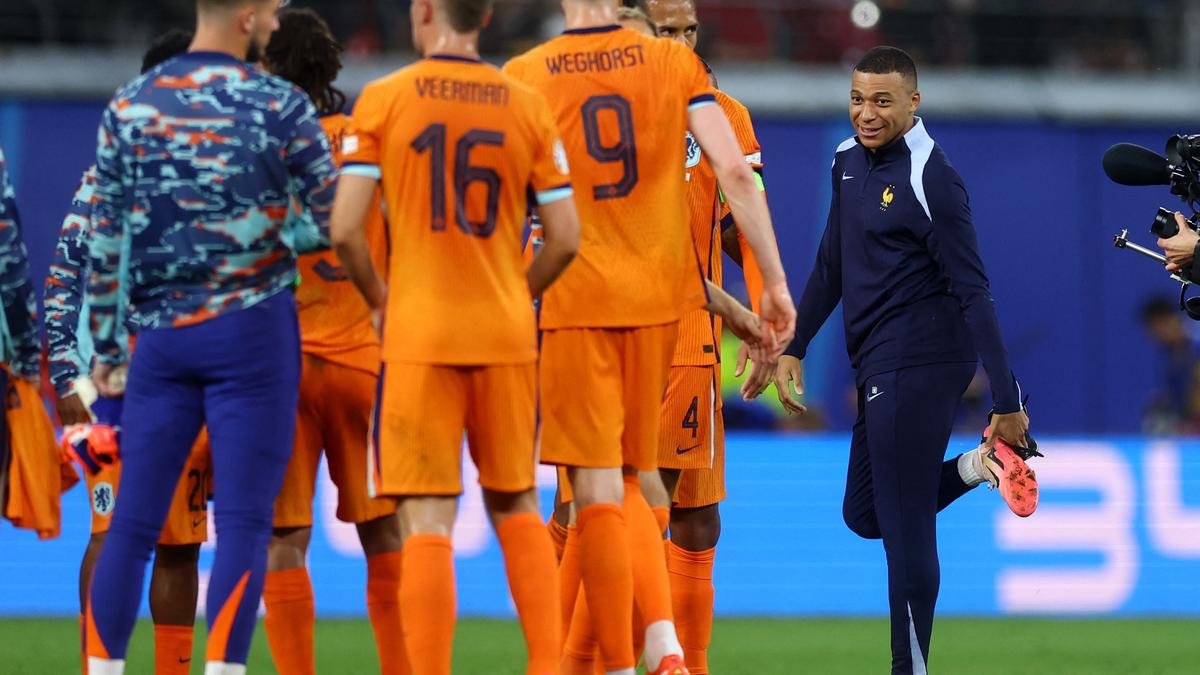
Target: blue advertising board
1117, 533
1068, 301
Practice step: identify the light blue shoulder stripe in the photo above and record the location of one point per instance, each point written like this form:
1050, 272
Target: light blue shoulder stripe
549, 196
920, 145
846, 145
371, 171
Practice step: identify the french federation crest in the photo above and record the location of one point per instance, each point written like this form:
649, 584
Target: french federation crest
889, 194
103, 499
693, 151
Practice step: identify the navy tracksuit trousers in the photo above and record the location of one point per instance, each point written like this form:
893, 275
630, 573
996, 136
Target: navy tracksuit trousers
897, 483
239, 373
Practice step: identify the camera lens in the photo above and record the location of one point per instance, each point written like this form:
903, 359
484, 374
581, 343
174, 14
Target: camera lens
1164, 226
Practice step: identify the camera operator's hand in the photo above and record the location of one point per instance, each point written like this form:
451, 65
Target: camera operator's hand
1180, 249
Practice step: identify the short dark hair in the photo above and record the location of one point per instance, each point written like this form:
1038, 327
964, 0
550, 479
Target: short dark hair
883, 60
1158, 307
643, 5
304, 52
466, 15
166, 47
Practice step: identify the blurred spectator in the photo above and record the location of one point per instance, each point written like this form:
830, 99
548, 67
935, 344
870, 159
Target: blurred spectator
1109, 35
1175, 407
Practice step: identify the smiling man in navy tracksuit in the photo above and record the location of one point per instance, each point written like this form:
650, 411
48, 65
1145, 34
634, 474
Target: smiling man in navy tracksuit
900, 252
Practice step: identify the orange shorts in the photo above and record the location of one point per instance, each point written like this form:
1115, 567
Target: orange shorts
602, 394
334, 417
187, 519
423, 411
704, 487
691, 419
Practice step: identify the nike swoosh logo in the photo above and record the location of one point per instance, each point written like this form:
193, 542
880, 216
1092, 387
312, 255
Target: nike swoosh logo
197, 522
686, 450
846, 176
872, 397
183, 660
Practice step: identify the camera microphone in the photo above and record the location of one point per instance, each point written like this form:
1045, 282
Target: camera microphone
1130, 164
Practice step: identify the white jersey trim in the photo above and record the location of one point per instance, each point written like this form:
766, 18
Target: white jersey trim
921, 147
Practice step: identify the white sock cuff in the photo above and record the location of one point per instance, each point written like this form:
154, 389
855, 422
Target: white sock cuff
970, 467
222, 668
661, 642
99, 666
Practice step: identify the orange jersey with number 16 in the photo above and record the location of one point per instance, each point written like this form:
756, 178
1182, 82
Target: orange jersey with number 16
621, 101
459, 148
335, 322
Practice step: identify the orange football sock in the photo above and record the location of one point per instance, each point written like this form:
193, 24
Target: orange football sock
570, 569
558, 536
608, 581
581, 653
533, 580
692, 597
639, 634
650, 584
427, 603
288, 596
172, 649
383, 606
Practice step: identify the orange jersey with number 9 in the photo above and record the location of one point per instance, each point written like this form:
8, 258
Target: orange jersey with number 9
621, 101
459, 148
335, 322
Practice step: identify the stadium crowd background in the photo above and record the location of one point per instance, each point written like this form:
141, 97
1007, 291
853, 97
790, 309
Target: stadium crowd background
1025, 96
1137, 35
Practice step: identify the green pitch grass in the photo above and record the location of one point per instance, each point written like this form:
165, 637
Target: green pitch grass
750, 646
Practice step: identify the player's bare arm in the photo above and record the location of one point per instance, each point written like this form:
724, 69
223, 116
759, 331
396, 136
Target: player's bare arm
560, 233
355, 196
740, 320
711, 129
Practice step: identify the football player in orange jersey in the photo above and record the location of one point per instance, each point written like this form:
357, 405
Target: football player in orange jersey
692, 446
337, 392
622, 100
462, 152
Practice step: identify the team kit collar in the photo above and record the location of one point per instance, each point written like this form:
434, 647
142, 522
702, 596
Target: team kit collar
914, 137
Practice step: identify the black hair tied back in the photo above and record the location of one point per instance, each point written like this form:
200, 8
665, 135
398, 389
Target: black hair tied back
304, 52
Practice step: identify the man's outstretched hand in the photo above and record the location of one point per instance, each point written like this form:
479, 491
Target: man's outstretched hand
789, 384
762, 370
